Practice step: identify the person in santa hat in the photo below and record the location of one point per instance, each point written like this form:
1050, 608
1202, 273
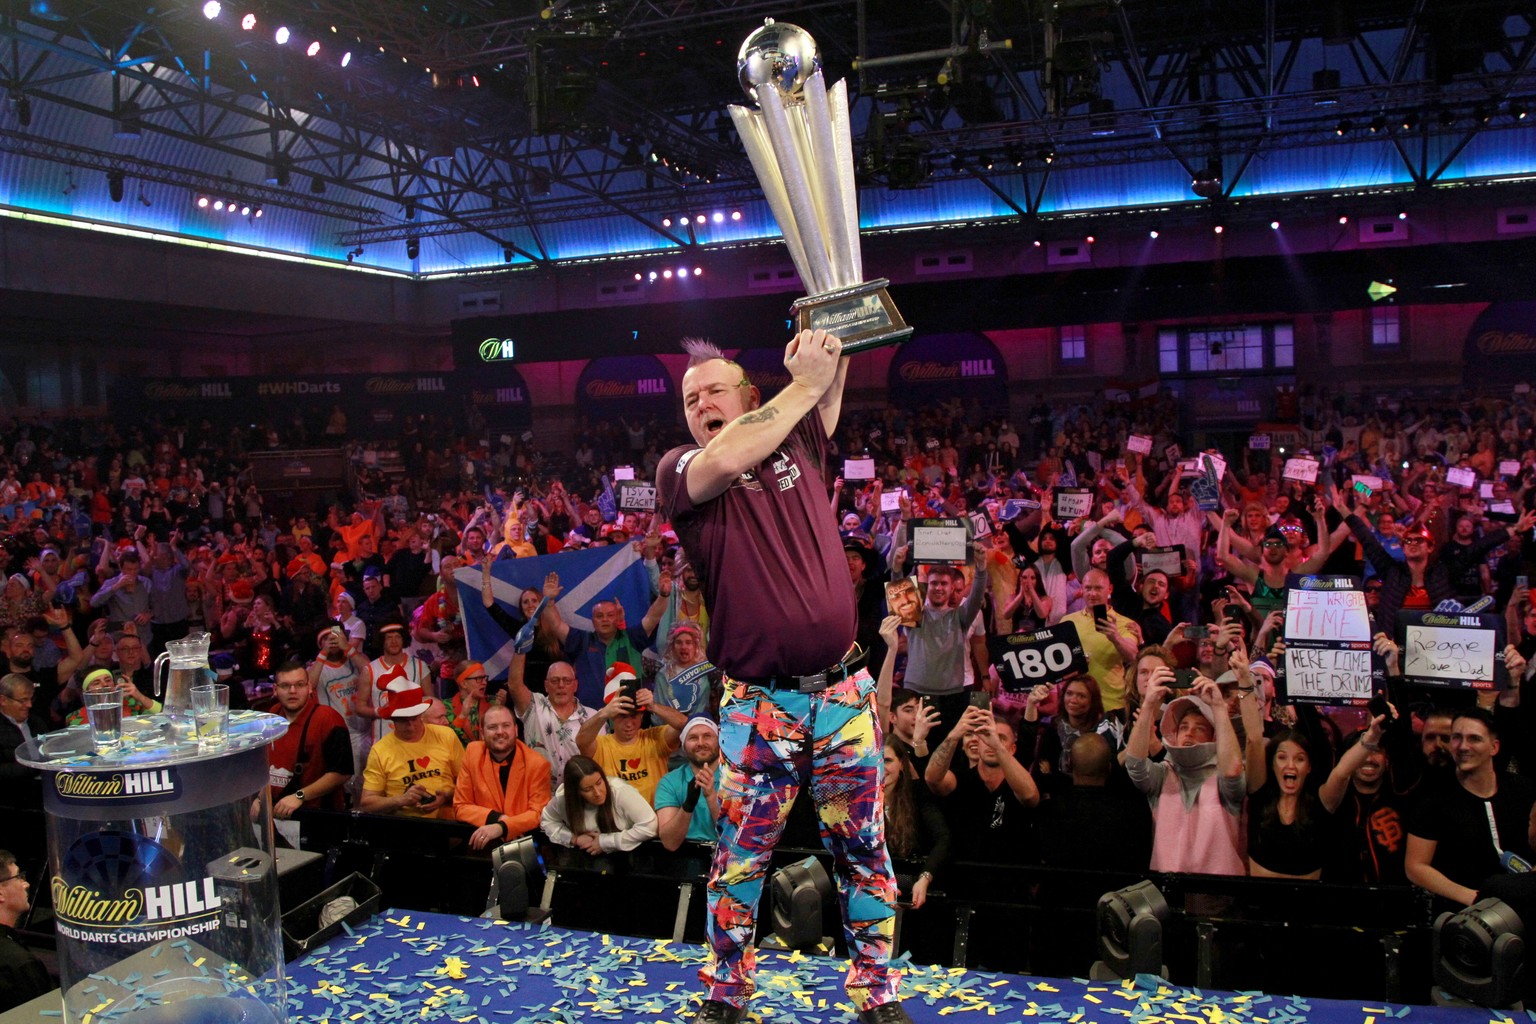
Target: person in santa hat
632, 753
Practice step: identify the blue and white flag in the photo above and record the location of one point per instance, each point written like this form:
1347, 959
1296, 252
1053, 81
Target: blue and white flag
615, 573
607, 503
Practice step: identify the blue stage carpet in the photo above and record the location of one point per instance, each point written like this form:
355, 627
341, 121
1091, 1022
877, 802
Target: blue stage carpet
412, 966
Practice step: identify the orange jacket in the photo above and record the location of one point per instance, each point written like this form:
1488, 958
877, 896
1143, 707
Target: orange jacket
477, 793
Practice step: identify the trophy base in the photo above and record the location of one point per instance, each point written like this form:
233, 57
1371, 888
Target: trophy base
862, 316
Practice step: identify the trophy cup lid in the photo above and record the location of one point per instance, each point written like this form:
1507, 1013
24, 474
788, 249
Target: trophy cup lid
778, 54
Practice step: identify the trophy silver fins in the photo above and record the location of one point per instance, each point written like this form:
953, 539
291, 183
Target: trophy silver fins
801, 149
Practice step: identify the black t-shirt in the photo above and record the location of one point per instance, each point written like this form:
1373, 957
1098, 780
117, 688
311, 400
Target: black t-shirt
1457, 822
408, 571
22, 975
986, 825
1101, 828
1369, 840
1294, 849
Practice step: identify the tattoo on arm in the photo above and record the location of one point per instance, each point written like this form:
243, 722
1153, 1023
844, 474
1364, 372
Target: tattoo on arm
762, 415
946, 751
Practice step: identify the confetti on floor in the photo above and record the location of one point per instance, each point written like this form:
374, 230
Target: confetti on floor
421, 966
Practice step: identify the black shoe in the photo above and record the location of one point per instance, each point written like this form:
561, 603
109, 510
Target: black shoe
885, 1013
714, 1011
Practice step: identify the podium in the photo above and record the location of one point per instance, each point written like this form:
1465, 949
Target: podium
162, 873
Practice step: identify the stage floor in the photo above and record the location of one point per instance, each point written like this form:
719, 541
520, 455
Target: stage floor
412, 966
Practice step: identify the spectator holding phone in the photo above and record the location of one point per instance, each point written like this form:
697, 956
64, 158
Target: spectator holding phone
413, 770
1197, 793
988, 805
630, 753
1110, 640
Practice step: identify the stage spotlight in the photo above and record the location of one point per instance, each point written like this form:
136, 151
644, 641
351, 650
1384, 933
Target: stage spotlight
412, 248
218, 205
346, 58
1378, 124
1402, 214
281, 35
1130, 926
1517, 110
798, 893
735, 215
248, 22
1344, 127
1274, 225
639, 276
698, 271
211, 9
1046, 155
1479, 954
666, 222
312, 49
1152, 233
682, 272
1343, 218
202, 202
718, 217
245, 211
506, 257
1410, 122
256, 212
699, 219
231, 207
1090, 239
667, 274
653, 275
1482, 114
1219, 228
115, 185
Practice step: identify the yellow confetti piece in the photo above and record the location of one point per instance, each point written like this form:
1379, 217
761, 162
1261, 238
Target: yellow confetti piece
1000, 982
1096, 999
1043, 987
199, 961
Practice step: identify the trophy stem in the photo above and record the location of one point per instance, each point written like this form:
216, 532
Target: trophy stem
749, 125
827, 183
786, 149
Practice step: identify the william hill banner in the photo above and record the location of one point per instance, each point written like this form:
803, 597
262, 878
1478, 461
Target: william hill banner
938, 367
374, 403
1501, 346
634, 387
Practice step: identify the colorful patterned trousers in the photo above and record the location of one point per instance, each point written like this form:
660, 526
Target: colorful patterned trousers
773, 743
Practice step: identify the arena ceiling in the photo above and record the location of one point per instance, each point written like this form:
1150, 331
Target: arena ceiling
446, 136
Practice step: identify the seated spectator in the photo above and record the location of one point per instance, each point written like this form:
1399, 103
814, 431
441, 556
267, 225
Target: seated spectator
311, 762
412, 771
550, 720
687, 802
595, 814
19, 723
987, 800
915, 830
1092, 824
1197, 794
636, 755
503, 785
22, 975
1460, 835
134, 702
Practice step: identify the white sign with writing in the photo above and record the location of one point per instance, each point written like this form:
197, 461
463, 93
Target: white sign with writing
1326, 675
858, 469
1141, 444
1461, 476
1304, 470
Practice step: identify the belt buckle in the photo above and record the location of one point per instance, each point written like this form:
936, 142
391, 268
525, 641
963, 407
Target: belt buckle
814, 683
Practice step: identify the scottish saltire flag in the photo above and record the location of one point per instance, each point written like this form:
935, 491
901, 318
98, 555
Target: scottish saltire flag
586, 577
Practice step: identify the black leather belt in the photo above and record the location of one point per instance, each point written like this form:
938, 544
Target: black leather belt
816, 681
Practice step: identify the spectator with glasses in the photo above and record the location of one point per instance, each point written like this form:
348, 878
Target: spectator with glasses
22, 975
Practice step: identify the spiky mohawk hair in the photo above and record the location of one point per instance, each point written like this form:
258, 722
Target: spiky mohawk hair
701, 351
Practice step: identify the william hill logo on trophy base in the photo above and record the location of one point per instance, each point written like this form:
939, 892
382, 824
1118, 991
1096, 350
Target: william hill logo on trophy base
125, 787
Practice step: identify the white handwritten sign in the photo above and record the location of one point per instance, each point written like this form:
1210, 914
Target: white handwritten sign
1328, 656
1141, 444
858, 469
1073, 502
1325, 614
1325, 675
940, 541
1454, 650
1509, 467
1258, 442
890, 501
1304, 470
1461, 476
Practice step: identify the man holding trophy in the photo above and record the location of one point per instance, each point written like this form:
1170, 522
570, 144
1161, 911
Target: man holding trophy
750, 506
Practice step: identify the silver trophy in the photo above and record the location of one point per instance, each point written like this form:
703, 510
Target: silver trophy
802, 151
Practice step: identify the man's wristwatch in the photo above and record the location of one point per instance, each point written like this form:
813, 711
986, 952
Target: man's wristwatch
300, 794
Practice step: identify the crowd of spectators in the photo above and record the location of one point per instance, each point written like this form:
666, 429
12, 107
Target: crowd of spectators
1175, 749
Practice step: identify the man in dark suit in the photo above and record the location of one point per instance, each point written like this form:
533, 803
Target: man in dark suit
18, 723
